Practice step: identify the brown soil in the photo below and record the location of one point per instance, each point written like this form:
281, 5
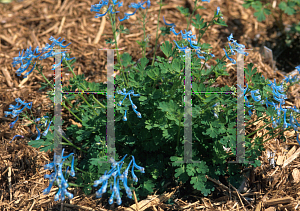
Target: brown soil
32, 22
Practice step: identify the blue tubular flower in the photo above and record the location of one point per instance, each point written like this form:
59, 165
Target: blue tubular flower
128, 14
195, 47
101, 15
168, 24
46, 131
270, 103
11, 125
295, 109
72, 172
123, 19
119, 201
16, 137
146, 2
56, 42
124, 117
102, 190
218, 10
255, 98
97, 7
111, 199
135, 5
141, 169
26, 74
134, 177
174, 32
232, 60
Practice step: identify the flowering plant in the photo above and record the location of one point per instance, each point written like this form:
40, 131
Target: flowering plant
156, 137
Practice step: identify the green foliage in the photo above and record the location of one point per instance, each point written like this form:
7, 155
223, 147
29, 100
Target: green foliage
157, 139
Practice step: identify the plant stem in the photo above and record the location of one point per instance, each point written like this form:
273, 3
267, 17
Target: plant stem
63, 103
205, 30
74, 75
83, 98
156, 38
195, 5
113, 22
144, 29
71, 144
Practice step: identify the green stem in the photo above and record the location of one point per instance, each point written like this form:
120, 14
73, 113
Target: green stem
74, 75
195, 6
71, 112
205, 30
113, 22
144, 28
71, 144
156, 38
46, 78
83, 98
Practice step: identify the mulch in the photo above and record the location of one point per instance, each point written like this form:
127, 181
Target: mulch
33, 22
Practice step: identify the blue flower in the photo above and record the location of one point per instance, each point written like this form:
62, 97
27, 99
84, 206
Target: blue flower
134, 107
255, 98
58, 176
232, 60
16, 137
115, 172
29, 55
236, 47
123, 19
218, 10
168, 24
128, 14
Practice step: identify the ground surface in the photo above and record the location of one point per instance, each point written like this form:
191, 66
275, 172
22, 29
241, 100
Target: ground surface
32, 22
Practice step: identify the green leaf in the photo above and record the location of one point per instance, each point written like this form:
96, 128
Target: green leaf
126, 59
212, 132
180, 172
166, 48
198, 22
184, 11
287, 8
148, 185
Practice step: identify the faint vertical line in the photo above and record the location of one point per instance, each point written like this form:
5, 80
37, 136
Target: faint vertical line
110, 105
57, 108
188, 151
240, 149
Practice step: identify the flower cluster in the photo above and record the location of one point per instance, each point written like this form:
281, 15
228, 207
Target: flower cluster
26, 58
134, 107
136, 6
58, 176
278, 97
15, 112
115, 171
188, 36
236, 47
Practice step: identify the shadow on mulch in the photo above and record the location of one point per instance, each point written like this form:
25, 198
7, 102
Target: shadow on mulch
32, 22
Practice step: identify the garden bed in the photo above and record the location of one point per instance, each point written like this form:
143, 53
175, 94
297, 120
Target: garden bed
32, 22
